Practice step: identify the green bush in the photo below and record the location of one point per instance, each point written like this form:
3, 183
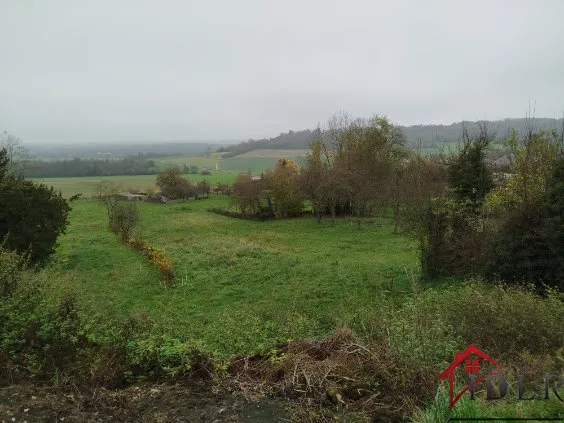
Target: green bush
32, 216
42, 336
124, 219
529, 245
506, 321
39, 334
12, 266
453, 239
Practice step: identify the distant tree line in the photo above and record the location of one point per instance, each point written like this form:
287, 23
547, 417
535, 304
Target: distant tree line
120, 150
423, 135
86, 167
290, 140
136, 165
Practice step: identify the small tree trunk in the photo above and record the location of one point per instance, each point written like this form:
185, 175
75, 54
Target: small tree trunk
396, 217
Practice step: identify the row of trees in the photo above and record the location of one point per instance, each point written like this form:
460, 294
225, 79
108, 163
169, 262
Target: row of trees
356, 168
89, 167
275, 194
175, 186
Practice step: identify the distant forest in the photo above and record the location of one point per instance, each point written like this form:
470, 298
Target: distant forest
89, 167
120, 150
426, 135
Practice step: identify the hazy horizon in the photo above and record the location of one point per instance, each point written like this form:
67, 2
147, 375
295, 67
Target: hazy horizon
141, 72
109, 143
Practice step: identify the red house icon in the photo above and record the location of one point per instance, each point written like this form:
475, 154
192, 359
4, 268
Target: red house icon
471, 365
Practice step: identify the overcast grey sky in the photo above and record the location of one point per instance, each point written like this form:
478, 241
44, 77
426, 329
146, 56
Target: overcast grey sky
203, 70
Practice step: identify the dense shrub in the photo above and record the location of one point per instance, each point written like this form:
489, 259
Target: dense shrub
553, 224
453, 239
32, 216
39, 334
529, 246
506, 321
469, 175
42, 337
124, 219
11, 271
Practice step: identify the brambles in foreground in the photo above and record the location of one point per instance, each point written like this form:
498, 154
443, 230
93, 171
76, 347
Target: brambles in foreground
12, 267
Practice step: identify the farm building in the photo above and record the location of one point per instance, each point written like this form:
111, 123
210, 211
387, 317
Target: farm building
131, 197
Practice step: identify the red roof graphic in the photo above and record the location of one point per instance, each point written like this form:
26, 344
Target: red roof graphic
458, 359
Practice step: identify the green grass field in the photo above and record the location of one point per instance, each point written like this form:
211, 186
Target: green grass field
201, 162
257, 160
257, 165
87, 185
243, 285
448, 148
229, 169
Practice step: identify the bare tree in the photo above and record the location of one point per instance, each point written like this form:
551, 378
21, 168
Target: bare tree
107, 194
17, 154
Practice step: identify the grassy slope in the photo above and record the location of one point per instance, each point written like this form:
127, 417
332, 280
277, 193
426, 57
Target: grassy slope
243, 284
246, 285
275, 153
257, 160
255, 164
201, 162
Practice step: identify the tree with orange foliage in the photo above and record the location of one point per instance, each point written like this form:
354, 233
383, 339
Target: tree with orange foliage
284, 189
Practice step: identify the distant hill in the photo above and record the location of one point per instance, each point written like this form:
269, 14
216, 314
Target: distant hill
428, 135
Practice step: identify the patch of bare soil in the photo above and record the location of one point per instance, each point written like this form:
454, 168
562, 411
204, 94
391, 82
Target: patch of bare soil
143, 403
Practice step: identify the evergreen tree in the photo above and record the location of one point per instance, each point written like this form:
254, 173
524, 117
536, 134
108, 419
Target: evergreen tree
31, 215
469, 175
